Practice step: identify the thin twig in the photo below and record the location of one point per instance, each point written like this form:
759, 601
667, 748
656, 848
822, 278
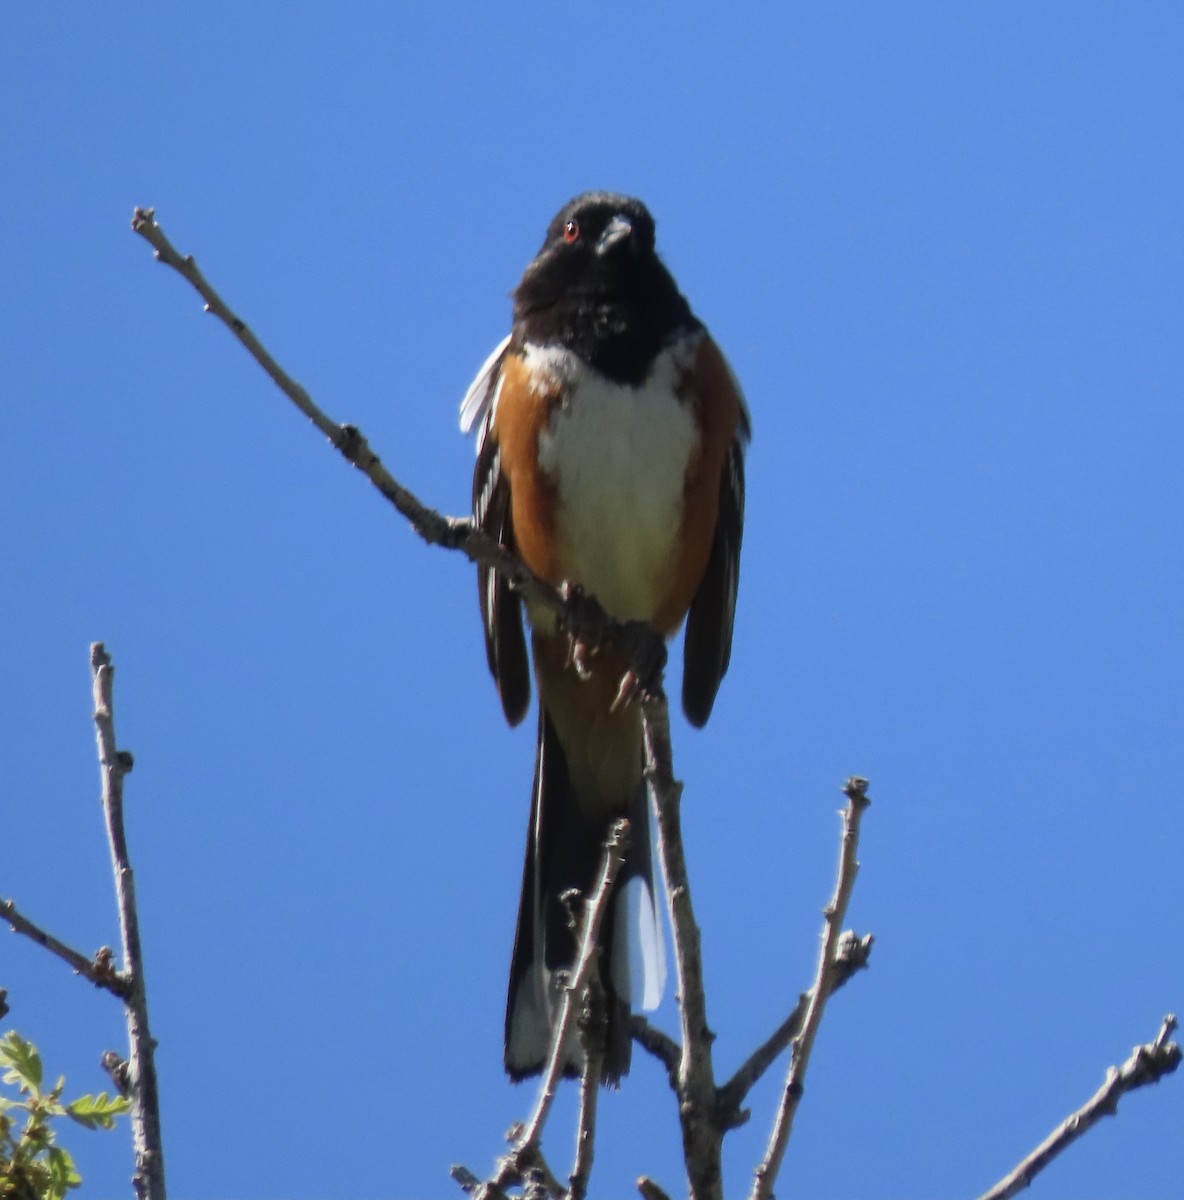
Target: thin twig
1147, 1064
99, 970
114, 764
702, 1136
803, 1046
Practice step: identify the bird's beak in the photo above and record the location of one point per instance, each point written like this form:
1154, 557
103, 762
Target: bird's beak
618, 231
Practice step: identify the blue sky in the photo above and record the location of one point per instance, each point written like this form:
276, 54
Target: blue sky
942, 245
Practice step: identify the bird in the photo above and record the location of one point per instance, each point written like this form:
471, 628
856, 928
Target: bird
611, 434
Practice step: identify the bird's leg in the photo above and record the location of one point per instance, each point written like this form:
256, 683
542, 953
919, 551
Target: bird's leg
583, 623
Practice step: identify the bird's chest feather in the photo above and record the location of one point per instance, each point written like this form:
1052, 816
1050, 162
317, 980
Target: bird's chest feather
615, 458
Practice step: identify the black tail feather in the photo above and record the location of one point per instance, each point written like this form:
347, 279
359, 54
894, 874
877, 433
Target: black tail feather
564, 851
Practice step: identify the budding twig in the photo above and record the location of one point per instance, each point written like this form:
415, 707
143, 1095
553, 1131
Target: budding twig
803, 1045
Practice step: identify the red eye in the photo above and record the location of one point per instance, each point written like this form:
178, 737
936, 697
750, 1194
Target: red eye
571, 231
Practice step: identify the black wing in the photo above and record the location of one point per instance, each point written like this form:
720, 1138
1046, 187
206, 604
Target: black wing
707, 649
501, 608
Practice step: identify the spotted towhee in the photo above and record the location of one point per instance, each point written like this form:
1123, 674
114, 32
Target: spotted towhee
610, 455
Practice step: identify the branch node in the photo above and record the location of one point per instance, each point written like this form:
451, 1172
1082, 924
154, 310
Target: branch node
350, 442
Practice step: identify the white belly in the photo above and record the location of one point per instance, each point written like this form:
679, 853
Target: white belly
618, 457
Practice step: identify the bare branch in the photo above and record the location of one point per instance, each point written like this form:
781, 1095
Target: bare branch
99, 970
144, 223
1147, 1064
114, 764
803, 1045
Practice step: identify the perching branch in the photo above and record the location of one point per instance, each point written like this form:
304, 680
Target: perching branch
1147, 1064
581, 615
803, 1044
114, 764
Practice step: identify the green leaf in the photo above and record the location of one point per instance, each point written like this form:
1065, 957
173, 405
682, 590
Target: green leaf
63, 1174
23, 1058
98, 1112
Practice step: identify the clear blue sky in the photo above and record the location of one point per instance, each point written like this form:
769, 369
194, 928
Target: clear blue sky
943, 247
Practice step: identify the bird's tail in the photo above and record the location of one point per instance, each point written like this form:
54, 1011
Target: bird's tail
565, 847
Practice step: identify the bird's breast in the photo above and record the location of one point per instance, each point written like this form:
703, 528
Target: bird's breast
616, 460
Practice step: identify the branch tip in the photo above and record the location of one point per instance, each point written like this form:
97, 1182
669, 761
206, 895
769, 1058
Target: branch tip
1170, 1025
1148, 1063
650, 1190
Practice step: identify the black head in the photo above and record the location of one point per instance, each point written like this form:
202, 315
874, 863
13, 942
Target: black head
598, 287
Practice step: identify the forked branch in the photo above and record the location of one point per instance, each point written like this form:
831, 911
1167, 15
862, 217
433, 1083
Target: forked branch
100, 970
824, 982
137, 1076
